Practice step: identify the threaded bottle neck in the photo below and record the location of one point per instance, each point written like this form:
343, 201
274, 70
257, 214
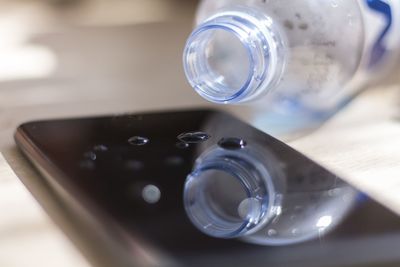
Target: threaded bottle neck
234, 56
229, 194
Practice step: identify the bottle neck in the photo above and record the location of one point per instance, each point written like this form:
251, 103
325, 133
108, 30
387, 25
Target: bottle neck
234, 56
229, 194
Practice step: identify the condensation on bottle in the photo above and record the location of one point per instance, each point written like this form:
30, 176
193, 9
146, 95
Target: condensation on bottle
299, 60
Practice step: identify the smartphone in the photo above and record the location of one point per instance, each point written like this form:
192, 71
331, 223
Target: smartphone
116, 185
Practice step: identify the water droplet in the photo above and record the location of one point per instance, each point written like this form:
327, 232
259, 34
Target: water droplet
232, 143
272, 232
100, 148
134, 165
151, 194
87, 164
303, 26
193, 137
182, 145
288, 24
138, 140
295, 231
90, 155
174, 161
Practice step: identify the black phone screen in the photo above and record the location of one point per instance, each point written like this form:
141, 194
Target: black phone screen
131, 169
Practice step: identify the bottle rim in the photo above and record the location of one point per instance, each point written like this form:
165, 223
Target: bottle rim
262, 43
252, 186
211, 90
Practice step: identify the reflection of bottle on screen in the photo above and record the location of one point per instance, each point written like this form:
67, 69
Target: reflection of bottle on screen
239, 191
308, 57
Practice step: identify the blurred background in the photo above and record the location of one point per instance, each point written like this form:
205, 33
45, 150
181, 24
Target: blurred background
72, 58
62, 58
89, 47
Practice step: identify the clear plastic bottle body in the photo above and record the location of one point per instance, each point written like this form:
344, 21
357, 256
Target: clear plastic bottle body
317, 53
247, 194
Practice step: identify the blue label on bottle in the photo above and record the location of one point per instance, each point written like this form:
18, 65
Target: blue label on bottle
379, 48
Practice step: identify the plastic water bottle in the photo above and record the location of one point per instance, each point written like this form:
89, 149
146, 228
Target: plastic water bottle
246, 193
302, 59
245, 184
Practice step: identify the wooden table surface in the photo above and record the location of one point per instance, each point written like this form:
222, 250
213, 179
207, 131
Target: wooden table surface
125, 67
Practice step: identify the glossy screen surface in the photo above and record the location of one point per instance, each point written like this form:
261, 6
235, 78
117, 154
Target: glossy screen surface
133, 168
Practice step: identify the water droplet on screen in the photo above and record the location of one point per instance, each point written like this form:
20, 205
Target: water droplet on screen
138, 140
90, 155
182, 145
100, 148
193, 137
232, 143
151, 194
134, 165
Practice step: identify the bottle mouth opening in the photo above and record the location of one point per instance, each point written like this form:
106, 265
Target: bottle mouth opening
221, 201
235, 56
218, 62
